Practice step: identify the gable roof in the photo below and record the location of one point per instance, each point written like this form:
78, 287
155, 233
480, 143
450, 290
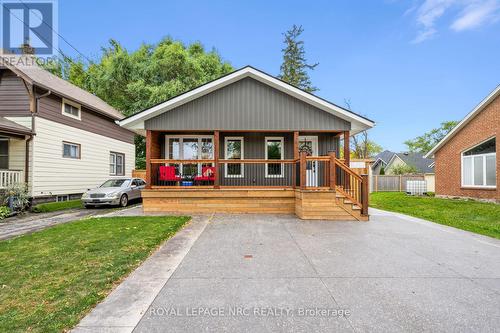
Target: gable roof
384, 157
480, 107
358, 122
416, 160
26, 67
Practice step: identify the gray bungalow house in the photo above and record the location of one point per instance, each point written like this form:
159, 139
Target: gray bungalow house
249, 142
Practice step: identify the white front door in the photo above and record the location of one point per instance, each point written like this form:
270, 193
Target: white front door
310, 145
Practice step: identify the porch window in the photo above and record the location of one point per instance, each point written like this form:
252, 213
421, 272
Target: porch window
71, 150
479, 165
71, 109
116, 164
188, 147
274, 151
234, 151
4, 153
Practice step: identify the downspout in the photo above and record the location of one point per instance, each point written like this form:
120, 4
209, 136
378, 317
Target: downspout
30, 138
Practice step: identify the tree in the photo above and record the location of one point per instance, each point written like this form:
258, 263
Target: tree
403, 169
134, 81
424, 143
361, 147
294, 68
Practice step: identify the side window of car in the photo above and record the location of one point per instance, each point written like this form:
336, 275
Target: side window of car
142, 182
135, 182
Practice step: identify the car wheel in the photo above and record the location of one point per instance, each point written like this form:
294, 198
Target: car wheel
124, 200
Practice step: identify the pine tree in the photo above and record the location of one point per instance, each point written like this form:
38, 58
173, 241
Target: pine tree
294, 67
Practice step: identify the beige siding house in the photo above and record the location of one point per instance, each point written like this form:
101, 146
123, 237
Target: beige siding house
56, 137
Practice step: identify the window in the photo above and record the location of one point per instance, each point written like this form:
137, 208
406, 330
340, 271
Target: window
189, 147
71, 109
61, 198
234, 151
116, 164
479, 165
4, 153
274, 151
71, 150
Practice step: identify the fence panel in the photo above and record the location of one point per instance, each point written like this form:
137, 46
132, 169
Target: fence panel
389, 183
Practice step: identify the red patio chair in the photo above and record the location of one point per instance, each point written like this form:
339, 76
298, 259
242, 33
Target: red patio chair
207, 174
167, 173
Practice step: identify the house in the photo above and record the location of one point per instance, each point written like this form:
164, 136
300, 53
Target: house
387, 160
251, 143
56, 137
466, 158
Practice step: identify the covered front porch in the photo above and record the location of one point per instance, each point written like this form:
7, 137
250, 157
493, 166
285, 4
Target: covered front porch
299, 172
14, 153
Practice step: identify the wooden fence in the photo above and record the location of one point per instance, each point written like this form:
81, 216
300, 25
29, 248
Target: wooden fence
387, 183
139, 174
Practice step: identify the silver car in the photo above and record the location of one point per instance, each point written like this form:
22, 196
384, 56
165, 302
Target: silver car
117, 191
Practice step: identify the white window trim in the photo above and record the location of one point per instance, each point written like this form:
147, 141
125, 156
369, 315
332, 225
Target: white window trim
226, 139
115, 174
275, 138
463, 156
76, 105
181, 149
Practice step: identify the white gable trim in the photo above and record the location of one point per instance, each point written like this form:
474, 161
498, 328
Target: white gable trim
480, 107
136, 122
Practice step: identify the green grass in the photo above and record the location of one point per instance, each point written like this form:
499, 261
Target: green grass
479, 217
55, 206
50, 279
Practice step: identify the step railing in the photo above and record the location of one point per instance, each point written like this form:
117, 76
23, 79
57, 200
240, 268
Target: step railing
351, 185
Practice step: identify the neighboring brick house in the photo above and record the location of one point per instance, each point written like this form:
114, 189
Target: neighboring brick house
466, 163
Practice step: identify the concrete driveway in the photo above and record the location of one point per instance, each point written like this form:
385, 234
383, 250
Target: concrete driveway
249, 273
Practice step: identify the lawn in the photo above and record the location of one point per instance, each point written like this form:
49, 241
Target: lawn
55, 206
479, 217
50, 279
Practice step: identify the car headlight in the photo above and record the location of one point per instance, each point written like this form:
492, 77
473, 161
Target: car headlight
85, 195
112, 195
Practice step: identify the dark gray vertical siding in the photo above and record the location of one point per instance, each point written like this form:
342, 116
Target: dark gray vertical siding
247, 105
14, 97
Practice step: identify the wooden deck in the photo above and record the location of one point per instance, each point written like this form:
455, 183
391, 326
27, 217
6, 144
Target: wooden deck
317, 204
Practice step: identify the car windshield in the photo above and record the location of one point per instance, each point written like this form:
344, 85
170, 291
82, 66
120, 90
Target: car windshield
116, 183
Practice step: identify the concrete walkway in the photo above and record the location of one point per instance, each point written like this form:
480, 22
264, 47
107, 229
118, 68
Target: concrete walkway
20, 225
262, 273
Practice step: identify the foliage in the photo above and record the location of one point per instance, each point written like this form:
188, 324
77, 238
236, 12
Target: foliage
403, 169
56, 206
294, 68
134, 81
52, 278
16, 197
382, 171
479, 217
4, 212
360, 146
424, 143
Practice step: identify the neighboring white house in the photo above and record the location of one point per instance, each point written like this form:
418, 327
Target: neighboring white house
59, 139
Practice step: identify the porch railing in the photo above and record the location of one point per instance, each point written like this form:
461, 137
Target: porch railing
10, 177
306, 172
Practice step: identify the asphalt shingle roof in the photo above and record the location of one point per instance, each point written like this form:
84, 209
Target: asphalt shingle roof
40, 77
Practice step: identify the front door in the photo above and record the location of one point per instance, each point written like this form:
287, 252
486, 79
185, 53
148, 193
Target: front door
309, 144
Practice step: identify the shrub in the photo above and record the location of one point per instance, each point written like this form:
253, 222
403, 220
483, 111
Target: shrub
4, 212
403, 169
16, 197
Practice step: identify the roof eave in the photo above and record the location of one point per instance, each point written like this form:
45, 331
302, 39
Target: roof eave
481, 106
361, 122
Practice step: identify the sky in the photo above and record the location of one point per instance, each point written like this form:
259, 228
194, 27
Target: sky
406, 64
